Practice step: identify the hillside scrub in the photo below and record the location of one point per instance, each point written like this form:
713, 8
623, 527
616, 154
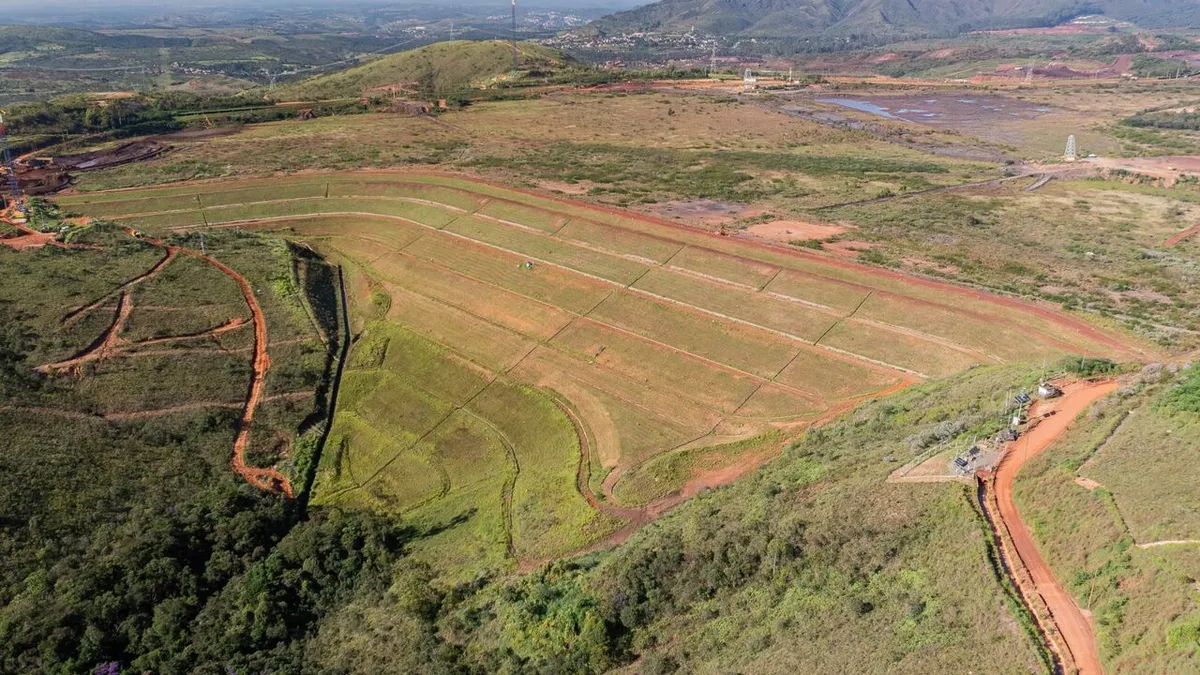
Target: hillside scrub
1136, 448
814, 562
439, 69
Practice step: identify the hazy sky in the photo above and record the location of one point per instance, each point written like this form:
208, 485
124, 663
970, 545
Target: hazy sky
113, 12
166, 6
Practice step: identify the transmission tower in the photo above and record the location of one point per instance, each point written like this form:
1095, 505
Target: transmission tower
14, 188
514, 33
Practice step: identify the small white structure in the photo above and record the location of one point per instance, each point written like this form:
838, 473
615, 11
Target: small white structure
1047, 390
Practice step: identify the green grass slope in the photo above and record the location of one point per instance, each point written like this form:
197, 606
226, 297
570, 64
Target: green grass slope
438, 69
814, 565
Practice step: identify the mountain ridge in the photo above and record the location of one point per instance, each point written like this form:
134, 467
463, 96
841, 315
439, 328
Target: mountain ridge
799, 18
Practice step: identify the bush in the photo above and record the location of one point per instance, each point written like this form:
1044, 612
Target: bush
1089, 367
1185, 396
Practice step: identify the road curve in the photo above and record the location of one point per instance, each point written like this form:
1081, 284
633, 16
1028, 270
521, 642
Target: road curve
1075, 628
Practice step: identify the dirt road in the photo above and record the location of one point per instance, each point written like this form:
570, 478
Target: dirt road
1074, 627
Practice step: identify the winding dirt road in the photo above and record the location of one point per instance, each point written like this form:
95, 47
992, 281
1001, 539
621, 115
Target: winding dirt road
267, 479
1056, 416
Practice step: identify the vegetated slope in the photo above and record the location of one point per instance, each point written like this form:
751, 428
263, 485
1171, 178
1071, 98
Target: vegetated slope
504, 334
437, 69
1113, 505
118, 505
789, 18
814, 565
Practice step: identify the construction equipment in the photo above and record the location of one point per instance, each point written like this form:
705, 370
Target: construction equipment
14, 187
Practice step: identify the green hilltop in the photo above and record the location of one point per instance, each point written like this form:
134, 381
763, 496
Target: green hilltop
438, 69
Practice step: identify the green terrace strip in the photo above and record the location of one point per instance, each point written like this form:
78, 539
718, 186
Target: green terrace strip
535, 376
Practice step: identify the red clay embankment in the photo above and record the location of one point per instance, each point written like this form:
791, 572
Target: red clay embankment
1074, 627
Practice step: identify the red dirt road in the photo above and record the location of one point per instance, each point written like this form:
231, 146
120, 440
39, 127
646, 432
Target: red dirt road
264, 479
270, 480
1181, 236
1074, 627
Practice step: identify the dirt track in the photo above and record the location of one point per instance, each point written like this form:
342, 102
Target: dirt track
1072, 624
264, 479
110, 343
1181, 236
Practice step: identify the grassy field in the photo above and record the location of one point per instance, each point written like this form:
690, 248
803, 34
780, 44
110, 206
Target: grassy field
478, 461
1094, 246
648, 356
666, 474
443, 68
814, 564
1135, 446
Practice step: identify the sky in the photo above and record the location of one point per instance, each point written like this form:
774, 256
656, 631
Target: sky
84, 12
166, 6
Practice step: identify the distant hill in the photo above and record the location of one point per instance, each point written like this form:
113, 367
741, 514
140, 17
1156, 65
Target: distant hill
438, 69
52, 40
793, 18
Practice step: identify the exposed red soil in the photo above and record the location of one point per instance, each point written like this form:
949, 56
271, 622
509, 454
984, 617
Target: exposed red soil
31, 239
788, 231
105, 347
1181, 236
1068, 619
38, 177
28, 241
1169, 169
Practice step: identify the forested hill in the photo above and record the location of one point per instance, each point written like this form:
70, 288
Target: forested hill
792, 18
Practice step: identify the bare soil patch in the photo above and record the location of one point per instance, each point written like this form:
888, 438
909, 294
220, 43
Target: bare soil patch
701, 211
848, 248
794, 230
28, 241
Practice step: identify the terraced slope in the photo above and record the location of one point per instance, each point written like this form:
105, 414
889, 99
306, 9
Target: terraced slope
506, 335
